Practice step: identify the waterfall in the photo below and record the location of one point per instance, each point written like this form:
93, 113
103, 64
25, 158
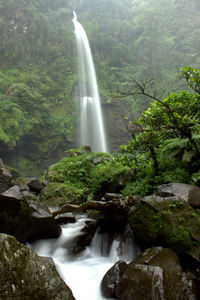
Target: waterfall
83, 274
92, 131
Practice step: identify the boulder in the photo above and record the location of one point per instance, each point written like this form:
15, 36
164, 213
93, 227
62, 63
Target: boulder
35, 185
112, 196
40, 224
25, 275
166, 222
111, 279
79, 244
90, 227
24, 188
185, 192
12, 210
5, 179
65, 218
26, 220
156, 274
29, 196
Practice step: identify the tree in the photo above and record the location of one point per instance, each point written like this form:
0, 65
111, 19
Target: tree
168, 131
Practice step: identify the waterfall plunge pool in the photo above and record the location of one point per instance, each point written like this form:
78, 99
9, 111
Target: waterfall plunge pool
83, 273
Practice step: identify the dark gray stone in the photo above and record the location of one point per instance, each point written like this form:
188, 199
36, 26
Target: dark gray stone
156, 274
112, 278
25, 275
186, 192
35, 185
112, 196
65, 218
29, 196
26, 220
40, 224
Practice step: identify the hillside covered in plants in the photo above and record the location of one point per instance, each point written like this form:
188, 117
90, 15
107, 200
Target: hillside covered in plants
130, 40
164, 148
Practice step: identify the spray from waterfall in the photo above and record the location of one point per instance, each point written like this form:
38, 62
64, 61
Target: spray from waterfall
92, 131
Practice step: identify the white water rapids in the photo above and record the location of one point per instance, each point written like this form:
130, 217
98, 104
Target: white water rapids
83, 274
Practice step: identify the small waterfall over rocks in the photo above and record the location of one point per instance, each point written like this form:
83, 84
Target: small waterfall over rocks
92, 131
83, 273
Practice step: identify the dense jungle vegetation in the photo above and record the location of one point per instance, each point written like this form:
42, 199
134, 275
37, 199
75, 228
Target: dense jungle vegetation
132, 41
165, 148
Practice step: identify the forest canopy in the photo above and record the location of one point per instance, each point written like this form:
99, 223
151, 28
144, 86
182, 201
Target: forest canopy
130, 39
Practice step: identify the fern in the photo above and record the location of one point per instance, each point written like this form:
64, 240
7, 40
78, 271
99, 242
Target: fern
174, 146
196, 137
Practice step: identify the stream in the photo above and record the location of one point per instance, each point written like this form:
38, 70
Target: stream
84, 272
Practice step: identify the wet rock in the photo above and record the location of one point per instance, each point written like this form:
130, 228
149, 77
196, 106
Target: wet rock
156, 274
131, 200
5, 179
48, 259
35, 185
26, 220
39, 225
29, 196
166, 222
11, 209
24, 188
114, 217
165, 258
65, 218
79, 244
65, 209
90, 227
112, 196
185, 192
12, 193
112, 278
25, 275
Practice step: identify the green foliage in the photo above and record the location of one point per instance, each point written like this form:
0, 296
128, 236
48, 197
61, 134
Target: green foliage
192, 77
37, 64
65, 191
165, 143
31, 104
167, 223
37, 112
91, 174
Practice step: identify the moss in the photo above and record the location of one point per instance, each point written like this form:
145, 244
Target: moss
62, 193
26, 275
93, 173
168, 224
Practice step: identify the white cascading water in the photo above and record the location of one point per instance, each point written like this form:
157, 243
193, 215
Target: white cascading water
92, 131
84, 273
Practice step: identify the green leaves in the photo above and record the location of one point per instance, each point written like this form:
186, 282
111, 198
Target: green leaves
166, 139
192, 77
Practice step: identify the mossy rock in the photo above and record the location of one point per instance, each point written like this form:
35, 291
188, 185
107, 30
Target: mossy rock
91, 174
156, 274
25, 275
61, 193
168, 222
